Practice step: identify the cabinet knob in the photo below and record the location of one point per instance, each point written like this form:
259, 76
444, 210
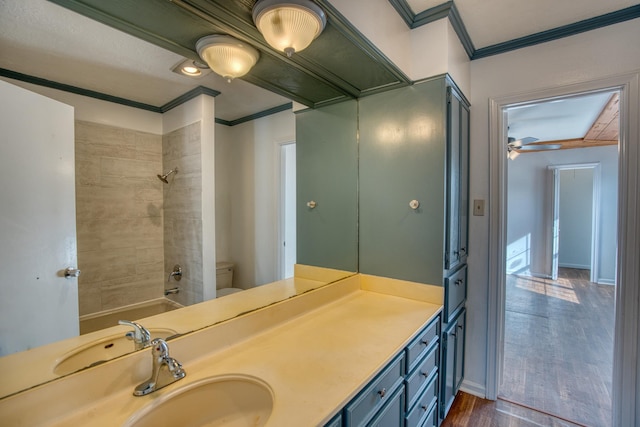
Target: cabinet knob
424, 407
311, 204
424, 342
424, 374
414, 204
382, 392
463, 251
458, 282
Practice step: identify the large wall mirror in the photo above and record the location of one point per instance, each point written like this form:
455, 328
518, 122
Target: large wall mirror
252, 161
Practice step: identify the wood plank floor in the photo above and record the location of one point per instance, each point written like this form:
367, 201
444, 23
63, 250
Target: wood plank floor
471, 411
559, 346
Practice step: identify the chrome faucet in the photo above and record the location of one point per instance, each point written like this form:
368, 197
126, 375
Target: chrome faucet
176, 273
140, 335
165, 370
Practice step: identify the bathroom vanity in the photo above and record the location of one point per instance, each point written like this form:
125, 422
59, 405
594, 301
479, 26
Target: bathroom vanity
358, 351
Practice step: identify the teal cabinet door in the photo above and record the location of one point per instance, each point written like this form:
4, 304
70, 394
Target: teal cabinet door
402, 159
457, 180
327, 178
452, 258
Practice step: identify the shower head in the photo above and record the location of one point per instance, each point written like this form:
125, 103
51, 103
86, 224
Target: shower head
163, 178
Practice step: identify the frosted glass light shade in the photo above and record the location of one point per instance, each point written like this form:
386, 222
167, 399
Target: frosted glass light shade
227, 56
289, 25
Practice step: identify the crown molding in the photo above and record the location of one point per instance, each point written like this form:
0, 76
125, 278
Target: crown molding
187, 96
449, 10
560, 32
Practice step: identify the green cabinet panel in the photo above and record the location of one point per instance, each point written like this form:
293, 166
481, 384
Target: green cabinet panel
452, 370
457, 180
327, 174
402, 158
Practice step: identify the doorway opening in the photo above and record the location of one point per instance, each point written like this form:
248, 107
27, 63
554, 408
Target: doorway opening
560, 260
287, 209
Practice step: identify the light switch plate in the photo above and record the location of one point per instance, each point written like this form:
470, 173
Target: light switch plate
478, 207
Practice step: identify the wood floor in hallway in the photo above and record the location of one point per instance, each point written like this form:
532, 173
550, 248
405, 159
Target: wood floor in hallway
471, 411
559, 346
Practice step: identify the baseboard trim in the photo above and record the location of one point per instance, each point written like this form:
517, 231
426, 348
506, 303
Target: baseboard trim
473, 388
606, 282
576, 266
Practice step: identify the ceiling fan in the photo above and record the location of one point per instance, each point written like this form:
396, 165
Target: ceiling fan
516, 146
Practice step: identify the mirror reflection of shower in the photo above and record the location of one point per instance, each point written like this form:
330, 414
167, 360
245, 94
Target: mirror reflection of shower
164, 177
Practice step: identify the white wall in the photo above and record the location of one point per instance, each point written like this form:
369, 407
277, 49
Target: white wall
423, 52
529, 210
97, 111
576, 217
584, 57
249, 196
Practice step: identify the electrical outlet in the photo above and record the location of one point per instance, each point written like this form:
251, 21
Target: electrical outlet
478, 208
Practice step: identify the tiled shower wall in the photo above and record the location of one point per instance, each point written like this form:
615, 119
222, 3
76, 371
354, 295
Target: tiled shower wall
183, 211
119, 216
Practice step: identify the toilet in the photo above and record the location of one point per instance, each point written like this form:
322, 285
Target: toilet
224, 279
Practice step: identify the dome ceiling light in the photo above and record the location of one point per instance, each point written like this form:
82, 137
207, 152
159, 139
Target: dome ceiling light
226, 56
289, 25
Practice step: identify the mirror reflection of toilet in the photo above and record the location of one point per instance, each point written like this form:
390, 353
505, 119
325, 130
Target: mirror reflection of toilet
224, 279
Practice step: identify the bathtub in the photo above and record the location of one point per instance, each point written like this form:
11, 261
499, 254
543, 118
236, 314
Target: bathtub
104, 319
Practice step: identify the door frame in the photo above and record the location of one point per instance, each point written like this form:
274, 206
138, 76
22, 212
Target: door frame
625, 363
553, 240
282, 206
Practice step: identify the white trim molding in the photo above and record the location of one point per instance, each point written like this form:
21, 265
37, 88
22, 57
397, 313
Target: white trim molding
626, 408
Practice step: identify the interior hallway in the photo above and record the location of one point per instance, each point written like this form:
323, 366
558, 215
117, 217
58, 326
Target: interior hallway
559, 346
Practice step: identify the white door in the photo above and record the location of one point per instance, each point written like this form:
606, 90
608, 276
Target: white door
555, 222
38, 305
288, 209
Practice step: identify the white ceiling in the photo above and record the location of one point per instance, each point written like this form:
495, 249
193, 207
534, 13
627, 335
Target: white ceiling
566, 118
45, 40
489, 22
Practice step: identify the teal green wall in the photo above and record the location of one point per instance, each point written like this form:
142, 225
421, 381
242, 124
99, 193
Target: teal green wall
402, 158
327, 173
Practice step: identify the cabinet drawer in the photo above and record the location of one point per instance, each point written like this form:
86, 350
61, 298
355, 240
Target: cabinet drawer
360, 410
418, 380
422, 343
392, 412
455, 292
335, 422
424, 413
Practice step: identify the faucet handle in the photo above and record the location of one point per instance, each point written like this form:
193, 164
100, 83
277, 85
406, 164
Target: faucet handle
140, 335
159, 348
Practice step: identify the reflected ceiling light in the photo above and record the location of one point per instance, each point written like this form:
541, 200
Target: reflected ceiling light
289, 25
191, 68
227, 56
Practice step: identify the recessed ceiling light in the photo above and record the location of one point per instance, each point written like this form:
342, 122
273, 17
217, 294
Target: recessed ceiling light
191, 68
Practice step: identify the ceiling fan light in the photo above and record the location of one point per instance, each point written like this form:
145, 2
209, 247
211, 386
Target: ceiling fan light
289, 25
226, 56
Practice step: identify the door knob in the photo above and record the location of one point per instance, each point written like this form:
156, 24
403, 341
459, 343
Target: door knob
71, 272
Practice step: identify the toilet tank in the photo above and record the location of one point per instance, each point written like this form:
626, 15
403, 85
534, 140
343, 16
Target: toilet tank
224, 275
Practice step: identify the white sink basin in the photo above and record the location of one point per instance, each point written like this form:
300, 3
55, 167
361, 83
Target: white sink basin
228, 400
100, 351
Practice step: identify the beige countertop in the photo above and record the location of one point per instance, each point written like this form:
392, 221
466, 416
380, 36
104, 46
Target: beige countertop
36, 366
315, 351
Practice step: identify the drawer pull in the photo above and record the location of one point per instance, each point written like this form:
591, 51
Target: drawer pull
382, 392
458, 282
424, 342
424, 374
424, 408
463, 250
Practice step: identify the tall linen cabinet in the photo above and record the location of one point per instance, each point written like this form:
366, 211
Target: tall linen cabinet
413, 201
389, 175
